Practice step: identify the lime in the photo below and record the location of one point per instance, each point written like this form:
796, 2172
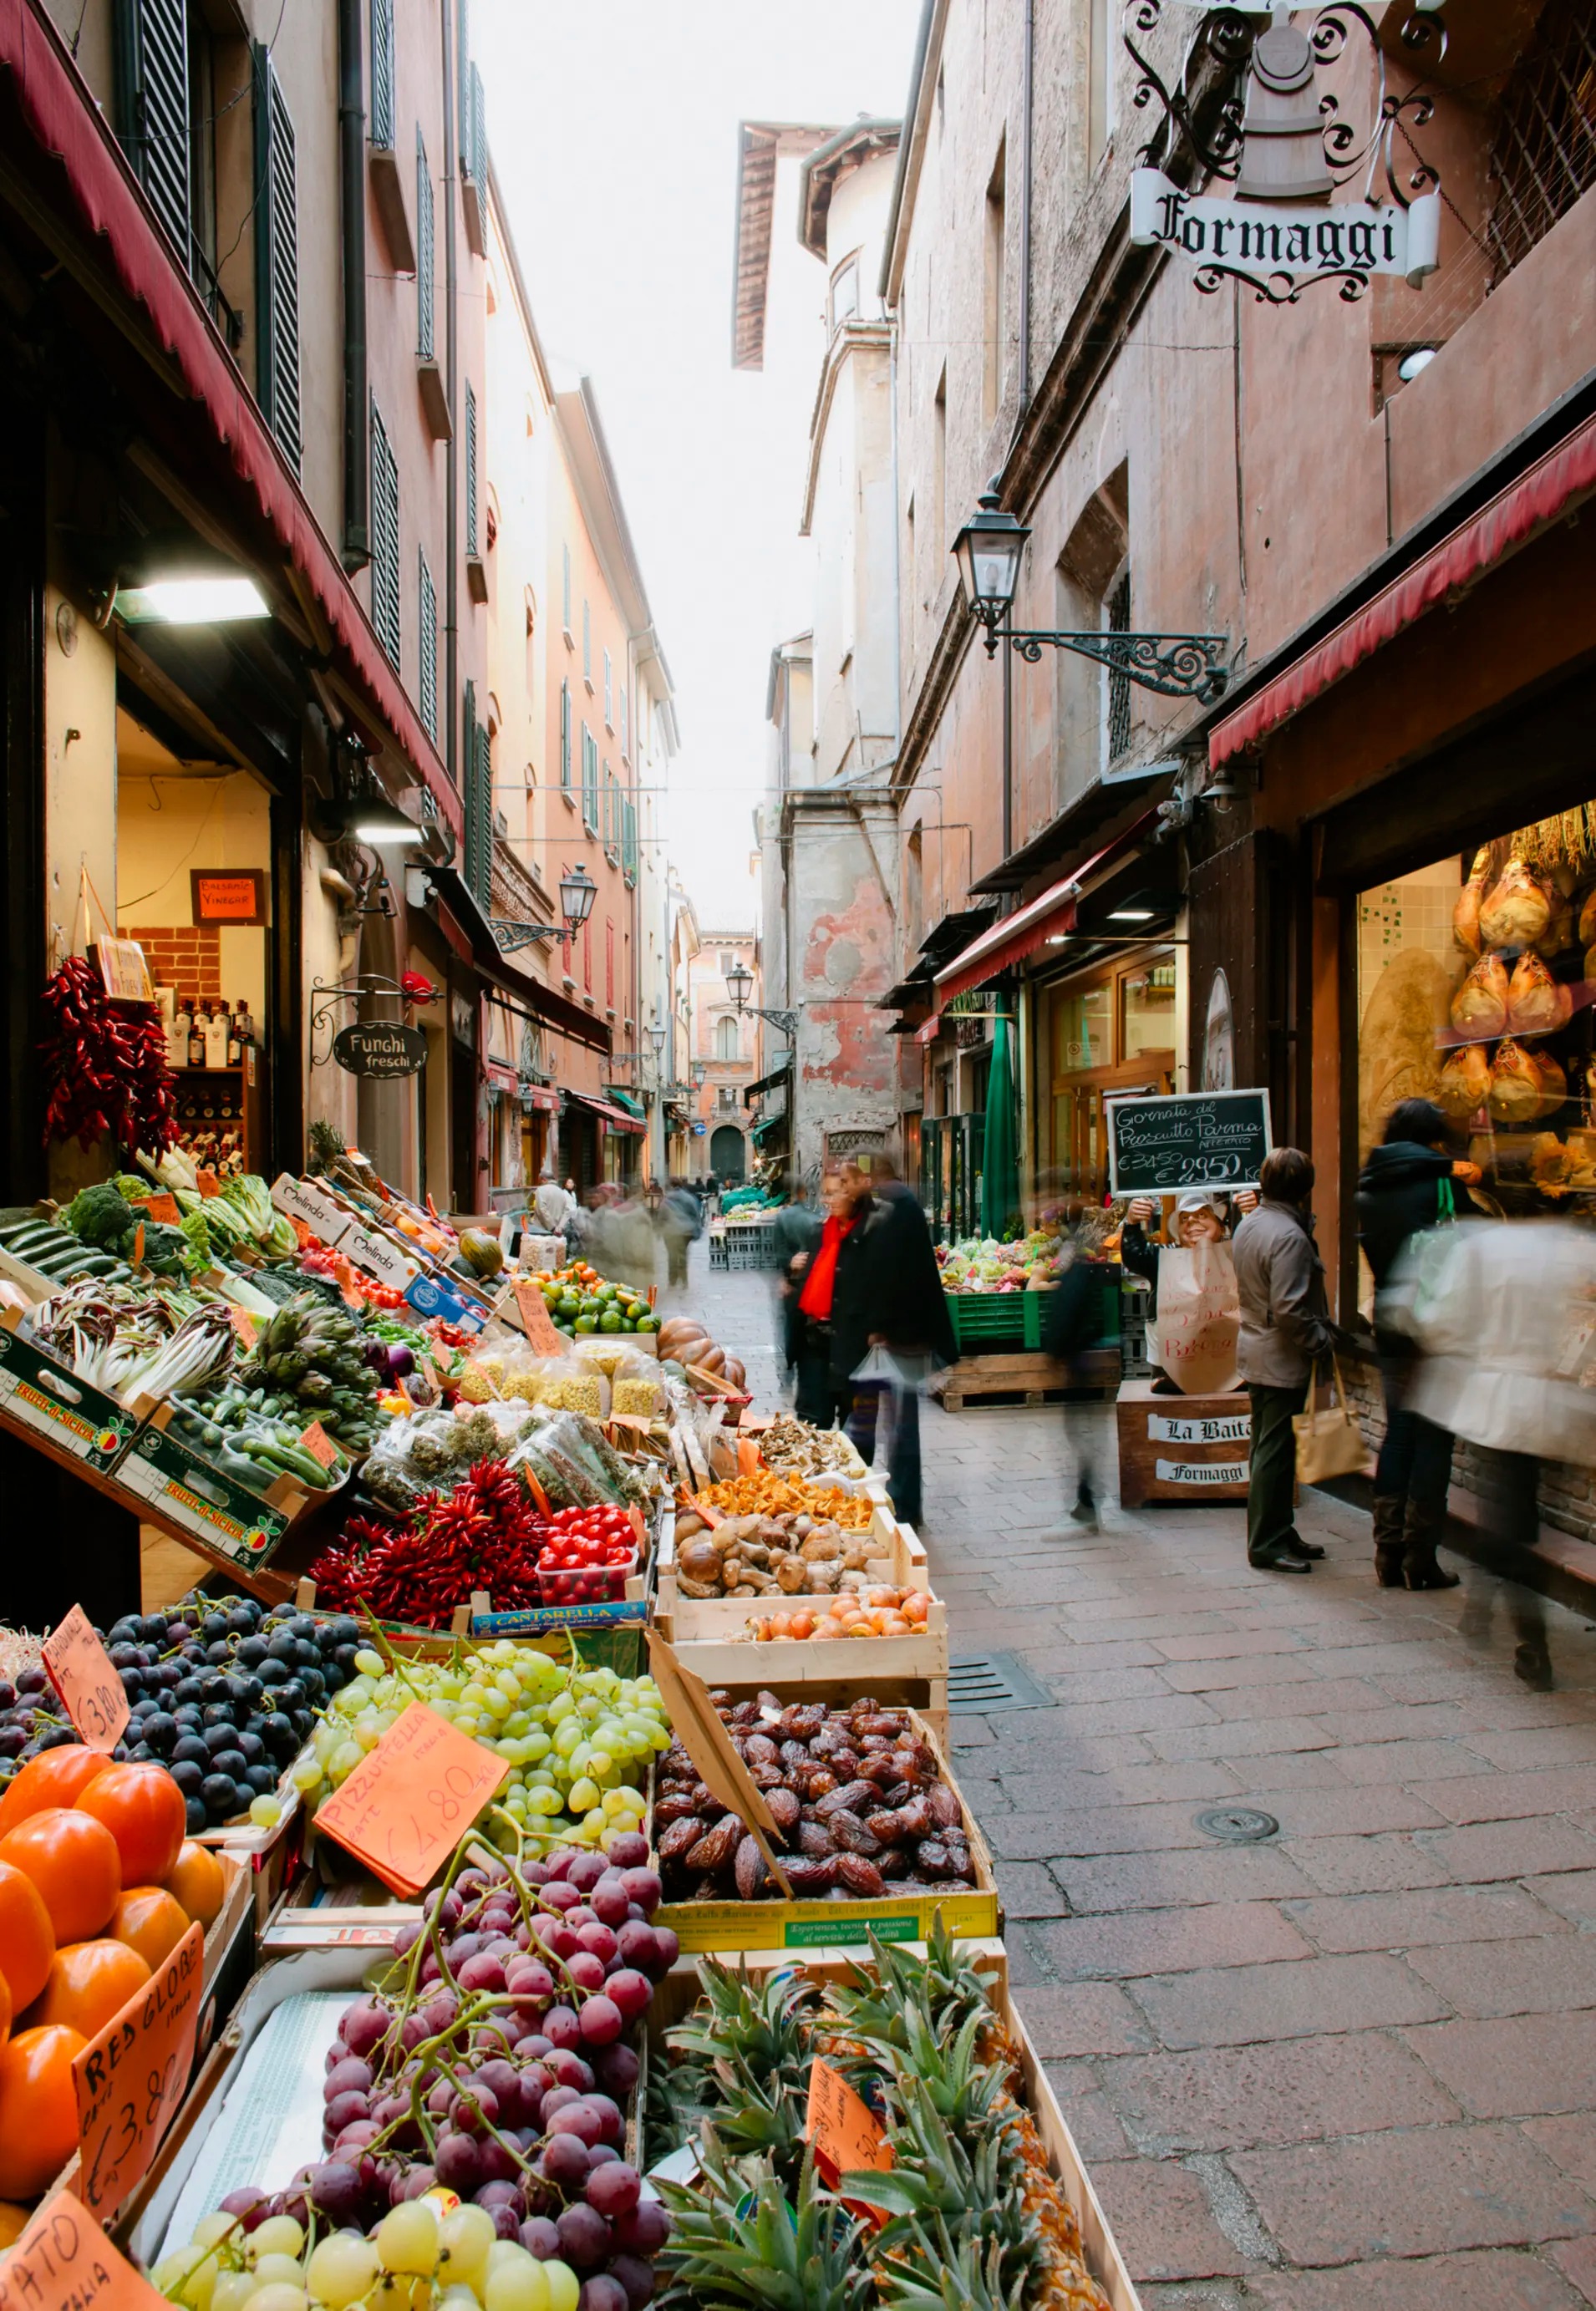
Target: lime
569, 1304
610, 1321
649, 1323
586, 1324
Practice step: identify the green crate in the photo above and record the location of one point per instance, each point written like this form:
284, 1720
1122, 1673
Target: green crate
986, 1323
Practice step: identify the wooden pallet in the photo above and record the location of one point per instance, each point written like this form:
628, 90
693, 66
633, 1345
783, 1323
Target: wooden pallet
1025, 1377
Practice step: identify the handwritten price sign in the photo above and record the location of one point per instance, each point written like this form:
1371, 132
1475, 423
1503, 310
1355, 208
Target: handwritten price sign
536, 1322
81, 1672
62, 2261
131, 2078
844, 2131
411, 1799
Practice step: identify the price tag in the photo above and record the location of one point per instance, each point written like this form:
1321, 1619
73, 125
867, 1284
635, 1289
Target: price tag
132, 2076
138, 1245
320, 1445
208, 1184
843, 2130
244, 1326
81, 1672
411, 1798
163, 1208
536, 1322
62, 2261
701, 1508
750, 1460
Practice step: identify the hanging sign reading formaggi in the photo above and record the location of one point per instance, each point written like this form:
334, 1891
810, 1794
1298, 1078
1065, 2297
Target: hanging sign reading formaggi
1190, 1139
380, 1048
1277, 248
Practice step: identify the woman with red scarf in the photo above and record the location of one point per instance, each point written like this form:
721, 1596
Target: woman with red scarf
819, 1400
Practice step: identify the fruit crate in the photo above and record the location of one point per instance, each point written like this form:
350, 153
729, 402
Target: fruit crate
995, 1320
677, 1995
784, 1925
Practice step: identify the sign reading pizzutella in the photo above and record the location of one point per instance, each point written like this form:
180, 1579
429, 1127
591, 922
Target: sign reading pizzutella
1277, 248
381, 1048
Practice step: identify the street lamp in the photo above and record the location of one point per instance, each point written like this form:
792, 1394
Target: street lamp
577, 891
699, 1070
656, 1037
987, 552
739, 979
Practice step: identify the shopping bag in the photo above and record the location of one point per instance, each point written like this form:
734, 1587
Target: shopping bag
1329, 1443
1194, 1328
899, 1368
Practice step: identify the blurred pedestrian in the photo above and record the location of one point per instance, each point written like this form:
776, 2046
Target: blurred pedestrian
680, 1223
1286, 1332
1076, 1320
822, 1399
1409, 1186
795, 1235
891, 1292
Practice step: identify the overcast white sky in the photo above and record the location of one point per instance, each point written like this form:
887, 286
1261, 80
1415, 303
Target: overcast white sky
613, 130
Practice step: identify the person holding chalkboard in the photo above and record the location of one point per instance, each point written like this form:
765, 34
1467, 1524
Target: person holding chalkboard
1286, 1329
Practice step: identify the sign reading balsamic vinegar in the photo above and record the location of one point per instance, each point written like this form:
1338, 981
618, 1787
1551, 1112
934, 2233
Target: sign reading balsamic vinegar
380, 1048
1187, 1139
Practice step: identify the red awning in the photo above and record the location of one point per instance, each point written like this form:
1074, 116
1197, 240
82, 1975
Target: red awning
1543, 494
59, 113
1015, 937
504, 1078
616, 1118
932, 1028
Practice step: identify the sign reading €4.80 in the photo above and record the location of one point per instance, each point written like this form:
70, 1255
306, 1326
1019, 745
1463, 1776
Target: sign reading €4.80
380, 1048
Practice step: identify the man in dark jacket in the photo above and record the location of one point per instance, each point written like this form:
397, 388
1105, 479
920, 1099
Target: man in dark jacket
1286, 1330
1409, 1184
889, 1294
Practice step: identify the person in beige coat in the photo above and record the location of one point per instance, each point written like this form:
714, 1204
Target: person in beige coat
1286, 1329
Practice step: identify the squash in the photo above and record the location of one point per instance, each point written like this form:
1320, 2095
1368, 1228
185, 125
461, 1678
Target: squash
483, 1254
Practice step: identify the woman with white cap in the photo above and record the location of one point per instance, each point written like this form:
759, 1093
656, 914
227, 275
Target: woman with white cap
1199, 1217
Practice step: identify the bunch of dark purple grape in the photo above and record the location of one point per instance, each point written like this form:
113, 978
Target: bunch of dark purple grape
493, 2062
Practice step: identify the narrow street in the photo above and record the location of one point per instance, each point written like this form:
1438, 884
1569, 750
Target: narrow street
1351, 2066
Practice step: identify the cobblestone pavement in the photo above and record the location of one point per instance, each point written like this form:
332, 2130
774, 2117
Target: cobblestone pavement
1349, 2067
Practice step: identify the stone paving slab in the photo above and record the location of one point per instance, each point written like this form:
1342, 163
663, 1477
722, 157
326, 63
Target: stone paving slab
1351, 2067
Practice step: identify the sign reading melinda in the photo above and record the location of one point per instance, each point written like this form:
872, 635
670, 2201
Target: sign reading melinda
1190, 1139
1279, 248
380, 1048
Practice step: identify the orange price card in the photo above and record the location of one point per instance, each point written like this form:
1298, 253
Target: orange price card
244, 1326
131, 2078
164, 1208
847, 2139
538, 1325
208, 1184
81, 1672
62, 2261
411, 1798
320, 1445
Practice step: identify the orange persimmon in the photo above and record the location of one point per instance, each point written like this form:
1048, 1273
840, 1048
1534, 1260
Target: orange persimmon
27, 1938
55, 1777
90, 1984
197, 1883
72, 1860
143, 1807
38, 2108
150, 1921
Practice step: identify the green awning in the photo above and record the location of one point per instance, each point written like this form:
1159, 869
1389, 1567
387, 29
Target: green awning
628, 1100
762, 1131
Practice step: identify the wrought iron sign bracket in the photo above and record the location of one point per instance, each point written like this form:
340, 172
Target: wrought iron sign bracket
512, 935
785, 1021
1176, 665
325, 1000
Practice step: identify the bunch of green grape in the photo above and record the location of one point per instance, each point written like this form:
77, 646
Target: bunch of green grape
420, 2253
579, 1742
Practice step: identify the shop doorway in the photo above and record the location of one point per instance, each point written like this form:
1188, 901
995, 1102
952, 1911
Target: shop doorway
728, 1155
1105, 1031
383, 1110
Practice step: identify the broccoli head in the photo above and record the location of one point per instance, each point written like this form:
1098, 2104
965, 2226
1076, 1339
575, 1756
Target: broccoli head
103, 1217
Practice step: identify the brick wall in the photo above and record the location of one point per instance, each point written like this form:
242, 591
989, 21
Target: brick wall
185, 958
1568, 1495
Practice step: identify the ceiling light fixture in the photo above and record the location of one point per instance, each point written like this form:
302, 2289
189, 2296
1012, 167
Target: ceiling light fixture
1132, 915
192, 602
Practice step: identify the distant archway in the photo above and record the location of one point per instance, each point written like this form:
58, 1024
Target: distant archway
726, 1155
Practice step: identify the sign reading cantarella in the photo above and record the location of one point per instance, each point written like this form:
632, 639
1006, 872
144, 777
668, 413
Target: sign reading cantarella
1279, 249
1186, 1139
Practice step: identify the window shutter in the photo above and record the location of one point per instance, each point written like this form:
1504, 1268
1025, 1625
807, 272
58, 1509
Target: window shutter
609, 961
565, 735
429, 651
471, 546
479, 803
479, 129
152, 105
463, 80
276, 260
382, 72
385, 539
622, 718
565, 589
424, 229
629, 841
587, 640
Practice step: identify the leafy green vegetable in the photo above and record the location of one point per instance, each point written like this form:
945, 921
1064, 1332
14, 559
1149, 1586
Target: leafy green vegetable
100, 1216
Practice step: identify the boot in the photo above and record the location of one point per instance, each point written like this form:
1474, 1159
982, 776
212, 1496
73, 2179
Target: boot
1390, 1510
1420, 1534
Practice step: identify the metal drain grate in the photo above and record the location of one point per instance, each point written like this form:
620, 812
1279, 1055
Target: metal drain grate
1238, 1825
980, 1683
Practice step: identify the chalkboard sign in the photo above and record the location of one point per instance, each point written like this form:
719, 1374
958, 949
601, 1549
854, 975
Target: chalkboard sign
380, 1048
1190, 1139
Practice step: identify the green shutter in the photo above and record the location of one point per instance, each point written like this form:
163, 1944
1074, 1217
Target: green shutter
463, 79
385, 538
479, 129
565, 735
470, 470
423, 251
151, 61
479, 804
429, 651
629, 841
276, 260
382, 74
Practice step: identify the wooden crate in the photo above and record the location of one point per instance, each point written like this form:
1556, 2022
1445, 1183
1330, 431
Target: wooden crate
1028, 1378
1182, 1448
675, 1998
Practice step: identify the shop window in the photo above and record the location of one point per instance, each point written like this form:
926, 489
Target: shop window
1544, 156
277, 263
471, 522
1147, 1011
726, 1040
383, 110
385, 538
1471, 977
425, 233
1084, 1030
565, 737
427, 608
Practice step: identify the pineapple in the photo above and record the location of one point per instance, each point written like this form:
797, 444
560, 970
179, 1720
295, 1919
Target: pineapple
732, 2248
